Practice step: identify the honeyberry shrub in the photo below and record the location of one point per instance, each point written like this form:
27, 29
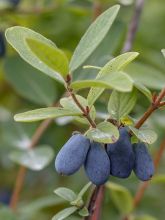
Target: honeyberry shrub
37, 159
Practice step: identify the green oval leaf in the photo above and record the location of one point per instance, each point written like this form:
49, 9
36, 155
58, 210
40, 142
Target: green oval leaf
66, 193
116, 64
32, 85
121, 197
83, 212
105, 132
93, 36
44, 113
65, 213
119, 81
121, 104
18, 38
144, 134
34, 159
51, 56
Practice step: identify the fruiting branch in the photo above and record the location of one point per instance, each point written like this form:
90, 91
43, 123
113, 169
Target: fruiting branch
85, 110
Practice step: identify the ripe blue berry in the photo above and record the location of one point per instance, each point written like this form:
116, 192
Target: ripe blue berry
72, 155
97, 164
2, 45
121, 155
144, 167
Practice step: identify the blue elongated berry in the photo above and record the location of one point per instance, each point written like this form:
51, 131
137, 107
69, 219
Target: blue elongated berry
97, 164
121, 155
144, 166
2, 45
72, 155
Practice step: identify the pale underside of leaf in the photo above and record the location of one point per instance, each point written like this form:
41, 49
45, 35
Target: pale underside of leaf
17, 37
44, 113
34, 159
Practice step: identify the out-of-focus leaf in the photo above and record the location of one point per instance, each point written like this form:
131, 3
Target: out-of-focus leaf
146, 75
160, 178
66, 193
28, 81
38, 204
34, 159
163, 52
7, 214
144, 134
105, 132
65, 213
44, 113
116, 64
83, 212
121, 104
93, 36
121, 197
51, 56
119, 81
145, 217
143, 89
17, 37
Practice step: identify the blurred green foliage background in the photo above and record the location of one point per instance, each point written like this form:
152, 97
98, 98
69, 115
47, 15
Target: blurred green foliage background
22, 88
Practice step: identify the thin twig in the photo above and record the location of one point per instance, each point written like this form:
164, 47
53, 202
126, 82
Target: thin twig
155, 105
85, 110
132, 29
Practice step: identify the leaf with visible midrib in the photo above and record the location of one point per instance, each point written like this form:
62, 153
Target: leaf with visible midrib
119, 81
17, 36
120, 104
44, 113
116, 64
93, 36
51, 56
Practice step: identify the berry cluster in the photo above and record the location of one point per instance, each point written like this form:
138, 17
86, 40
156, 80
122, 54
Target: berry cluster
118, 159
